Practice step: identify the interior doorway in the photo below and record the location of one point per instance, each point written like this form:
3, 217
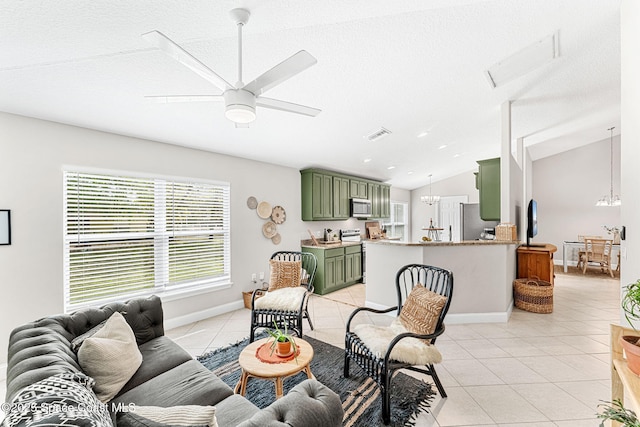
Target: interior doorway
449, 217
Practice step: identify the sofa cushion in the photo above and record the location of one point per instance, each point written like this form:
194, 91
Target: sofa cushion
234, 409
158, 355
308, 403
186, 384
131, 419
110, 357
62, 399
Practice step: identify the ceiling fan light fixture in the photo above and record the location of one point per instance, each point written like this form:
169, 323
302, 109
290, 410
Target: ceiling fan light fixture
240, 106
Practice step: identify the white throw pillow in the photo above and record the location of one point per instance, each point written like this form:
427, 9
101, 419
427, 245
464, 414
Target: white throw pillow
185, 415
110, 357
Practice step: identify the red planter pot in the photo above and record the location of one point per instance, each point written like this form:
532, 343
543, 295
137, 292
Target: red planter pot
632, 352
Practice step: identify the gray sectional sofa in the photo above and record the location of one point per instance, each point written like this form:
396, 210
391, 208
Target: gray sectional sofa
168, 376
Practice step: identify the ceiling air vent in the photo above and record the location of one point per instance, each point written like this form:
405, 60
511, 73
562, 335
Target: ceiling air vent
377, 134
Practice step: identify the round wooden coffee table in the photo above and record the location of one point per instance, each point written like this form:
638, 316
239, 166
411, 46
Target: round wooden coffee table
276, 372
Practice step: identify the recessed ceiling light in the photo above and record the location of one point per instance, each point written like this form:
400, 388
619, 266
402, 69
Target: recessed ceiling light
367, 160
391, 167
410, 173
423, 134
457, 155
442, 146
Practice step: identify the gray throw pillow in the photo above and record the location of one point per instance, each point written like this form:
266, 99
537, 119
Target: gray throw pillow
111, 357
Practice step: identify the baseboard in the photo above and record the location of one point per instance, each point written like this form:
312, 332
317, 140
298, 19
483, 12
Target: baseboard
201, 315
457, 319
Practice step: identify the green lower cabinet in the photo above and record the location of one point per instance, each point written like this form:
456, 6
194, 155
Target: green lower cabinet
337, 267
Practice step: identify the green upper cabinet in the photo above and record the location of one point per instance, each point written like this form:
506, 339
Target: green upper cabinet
340, 198
326, 195
385, 201
488, 182
379, 194
357, 189
317, 196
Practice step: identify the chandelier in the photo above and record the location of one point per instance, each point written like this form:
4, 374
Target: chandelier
430, 199
610, 199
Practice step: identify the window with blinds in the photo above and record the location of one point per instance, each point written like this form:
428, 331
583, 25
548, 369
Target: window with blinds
127, 236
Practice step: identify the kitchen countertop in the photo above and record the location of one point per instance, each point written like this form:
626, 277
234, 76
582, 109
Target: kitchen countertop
434, 243
309, 244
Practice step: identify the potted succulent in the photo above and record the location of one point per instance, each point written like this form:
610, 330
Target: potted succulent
615, 411
631, 307
283, 342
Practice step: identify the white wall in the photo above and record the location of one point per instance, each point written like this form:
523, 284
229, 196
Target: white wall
630, 105
459, 185
32, 155
567, 186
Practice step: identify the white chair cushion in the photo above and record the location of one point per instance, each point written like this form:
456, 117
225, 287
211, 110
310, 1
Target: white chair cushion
288, 299
408, 350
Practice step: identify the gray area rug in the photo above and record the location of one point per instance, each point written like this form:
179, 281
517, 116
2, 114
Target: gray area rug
360, 396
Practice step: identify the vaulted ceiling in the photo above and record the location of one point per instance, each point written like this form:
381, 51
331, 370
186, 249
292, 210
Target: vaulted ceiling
410, 66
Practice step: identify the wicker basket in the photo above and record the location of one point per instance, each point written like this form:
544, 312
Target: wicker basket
533, 295
246, 296
506, 232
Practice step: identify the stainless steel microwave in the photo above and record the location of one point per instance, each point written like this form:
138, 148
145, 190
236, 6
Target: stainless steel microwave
360, 208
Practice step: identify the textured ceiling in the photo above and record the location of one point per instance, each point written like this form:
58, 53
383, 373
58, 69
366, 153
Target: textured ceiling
406, 65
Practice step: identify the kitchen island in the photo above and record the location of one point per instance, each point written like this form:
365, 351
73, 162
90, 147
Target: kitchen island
483, 274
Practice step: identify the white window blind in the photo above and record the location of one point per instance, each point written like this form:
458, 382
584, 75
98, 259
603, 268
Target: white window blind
128, 236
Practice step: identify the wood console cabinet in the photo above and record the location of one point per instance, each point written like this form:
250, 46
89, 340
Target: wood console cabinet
536, 261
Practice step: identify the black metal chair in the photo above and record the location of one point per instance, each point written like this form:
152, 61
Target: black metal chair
264, 314
381, 367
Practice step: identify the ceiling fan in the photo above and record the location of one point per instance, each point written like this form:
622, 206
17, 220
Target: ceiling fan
240, 100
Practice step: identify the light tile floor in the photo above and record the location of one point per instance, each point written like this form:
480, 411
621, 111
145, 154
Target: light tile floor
536, 370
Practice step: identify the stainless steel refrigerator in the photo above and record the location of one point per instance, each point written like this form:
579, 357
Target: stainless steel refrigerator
471, 223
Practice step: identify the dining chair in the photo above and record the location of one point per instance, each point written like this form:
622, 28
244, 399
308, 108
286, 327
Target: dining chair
597, 251
581, 252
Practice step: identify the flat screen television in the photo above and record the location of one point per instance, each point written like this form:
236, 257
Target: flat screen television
532, 221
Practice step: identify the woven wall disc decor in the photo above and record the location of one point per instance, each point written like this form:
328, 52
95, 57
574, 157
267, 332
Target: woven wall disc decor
269, 229
276, 239
252, 202
264, 210
278, 215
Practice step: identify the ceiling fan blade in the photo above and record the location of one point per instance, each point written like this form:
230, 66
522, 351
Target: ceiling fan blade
276, 104
166, 45
281, 72
166, 99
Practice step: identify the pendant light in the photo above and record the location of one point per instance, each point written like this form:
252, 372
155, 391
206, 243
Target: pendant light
610, 199
430, 199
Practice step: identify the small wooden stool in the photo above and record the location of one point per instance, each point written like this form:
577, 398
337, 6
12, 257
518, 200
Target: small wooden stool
276, 372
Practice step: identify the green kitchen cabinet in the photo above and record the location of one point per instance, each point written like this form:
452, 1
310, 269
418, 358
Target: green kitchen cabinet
337, 267
385, 201
379, 194
317, 196
357, 189
488, 182
340, 198
353, 264
326, 195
